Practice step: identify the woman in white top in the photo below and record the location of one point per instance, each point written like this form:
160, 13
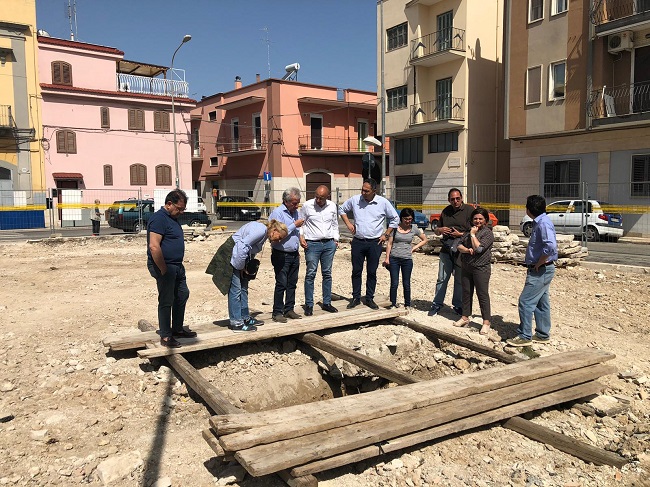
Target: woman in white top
399, 255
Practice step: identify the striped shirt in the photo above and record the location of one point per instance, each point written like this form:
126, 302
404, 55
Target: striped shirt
483, 255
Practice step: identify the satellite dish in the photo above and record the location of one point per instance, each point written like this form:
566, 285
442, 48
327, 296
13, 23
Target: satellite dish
372, 141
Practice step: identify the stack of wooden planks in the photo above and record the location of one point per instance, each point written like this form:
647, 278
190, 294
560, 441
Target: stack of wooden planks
315, 437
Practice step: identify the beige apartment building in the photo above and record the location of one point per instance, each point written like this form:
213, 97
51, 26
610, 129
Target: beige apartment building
443, 84
578, 108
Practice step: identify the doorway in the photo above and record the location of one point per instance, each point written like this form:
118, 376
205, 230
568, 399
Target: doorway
315, 179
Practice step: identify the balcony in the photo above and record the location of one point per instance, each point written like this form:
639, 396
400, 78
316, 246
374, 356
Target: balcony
438, 47
240, 146
612, 15
152, 86
327, 145
6, 119
624, 103
441, 110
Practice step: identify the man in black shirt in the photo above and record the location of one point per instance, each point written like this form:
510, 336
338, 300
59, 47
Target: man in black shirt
454, 222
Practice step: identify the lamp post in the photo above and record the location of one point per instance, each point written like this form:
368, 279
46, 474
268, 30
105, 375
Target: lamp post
186, 38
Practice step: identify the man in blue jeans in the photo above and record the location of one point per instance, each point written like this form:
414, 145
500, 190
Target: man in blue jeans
319, 236
165, 251
454, 222
541, 255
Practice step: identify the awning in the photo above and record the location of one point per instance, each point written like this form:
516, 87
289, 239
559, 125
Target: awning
74, 176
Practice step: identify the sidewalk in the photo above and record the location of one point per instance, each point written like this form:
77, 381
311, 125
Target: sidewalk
635, 240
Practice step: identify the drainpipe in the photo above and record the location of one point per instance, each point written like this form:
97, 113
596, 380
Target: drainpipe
382, 101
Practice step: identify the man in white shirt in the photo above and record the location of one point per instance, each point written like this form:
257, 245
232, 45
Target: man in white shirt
319, 236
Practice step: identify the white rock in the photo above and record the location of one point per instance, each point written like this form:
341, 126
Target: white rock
162, 482
38, 435
7, 386
231, 475
118, 467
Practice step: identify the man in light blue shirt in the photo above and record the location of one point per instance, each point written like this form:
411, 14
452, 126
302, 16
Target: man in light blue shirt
541, 255
370, 212
285, 257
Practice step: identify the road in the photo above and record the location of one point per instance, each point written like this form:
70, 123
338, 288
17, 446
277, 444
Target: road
607, 252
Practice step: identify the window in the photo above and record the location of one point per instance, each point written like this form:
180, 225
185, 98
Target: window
214, 161
396, 98
408, 151
108, 175
138, 173
160, 122
163, 175
105, 118
66, 142
558, 6
61, 73
443, 99
136, 119
445, 24
556, 80
534, 85
561, 178
316, 132
397, 36
196, 145
362, 133
234, 131
535, 10
257, 131
212, 116
445, 142
641, 176
408, 189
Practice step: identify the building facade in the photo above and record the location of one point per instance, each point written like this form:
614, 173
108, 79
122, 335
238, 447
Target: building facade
107, 121
578, 111
442, 73
21, 161
291, 133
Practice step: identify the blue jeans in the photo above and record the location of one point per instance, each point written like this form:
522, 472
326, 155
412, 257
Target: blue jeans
534, 300
363, 250
445, 268
406, 265
323, 252
286, 266
173, 294
238, 299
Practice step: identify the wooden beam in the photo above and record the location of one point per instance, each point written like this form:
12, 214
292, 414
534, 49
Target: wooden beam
482, 419
463, 342
298, 481
412, 396
574, 447
226, 337
279, 455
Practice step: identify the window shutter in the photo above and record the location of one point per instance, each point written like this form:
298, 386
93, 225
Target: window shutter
140, 119
156, 123
165, 121
60, 141
66, 74
159, 176
56, 73
131, 119
71, 142
108, 175
105, 118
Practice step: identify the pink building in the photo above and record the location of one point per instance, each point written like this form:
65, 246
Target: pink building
302, 134
107, 121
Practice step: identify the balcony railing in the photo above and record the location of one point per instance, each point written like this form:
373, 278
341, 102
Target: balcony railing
604, 11
152, 86
6, 120
620, 100
440, 41
228, 145
438, 110
335, 144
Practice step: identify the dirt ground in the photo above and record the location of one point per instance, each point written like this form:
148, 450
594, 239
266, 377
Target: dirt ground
67, 407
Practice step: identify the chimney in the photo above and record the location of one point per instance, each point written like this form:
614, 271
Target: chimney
257, 78
237, 82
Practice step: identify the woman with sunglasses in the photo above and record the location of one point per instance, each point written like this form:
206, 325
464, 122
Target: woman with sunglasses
399, 255
475, 257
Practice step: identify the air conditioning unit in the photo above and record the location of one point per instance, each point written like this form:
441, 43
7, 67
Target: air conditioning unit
623, 41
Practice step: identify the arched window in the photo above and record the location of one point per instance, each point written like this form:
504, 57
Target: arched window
138, 174
61, 73
66, 142
163, 175
108, 175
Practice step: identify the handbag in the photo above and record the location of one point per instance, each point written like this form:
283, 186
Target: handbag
251, 268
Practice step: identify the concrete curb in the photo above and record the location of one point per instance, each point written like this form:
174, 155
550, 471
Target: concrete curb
604, 266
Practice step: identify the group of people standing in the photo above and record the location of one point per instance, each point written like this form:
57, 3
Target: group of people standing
466, 254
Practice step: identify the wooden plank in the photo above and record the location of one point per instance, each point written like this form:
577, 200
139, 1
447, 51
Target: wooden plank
463, 342
412, 396
279, 455
298, 481
209, 437
226, 338
356, 358
574, 447
488, 417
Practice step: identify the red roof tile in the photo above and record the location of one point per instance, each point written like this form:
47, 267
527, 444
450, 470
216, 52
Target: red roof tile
79, 45
127, 94
67, 175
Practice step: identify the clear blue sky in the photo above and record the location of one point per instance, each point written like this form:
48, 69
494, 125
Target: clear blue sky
333, 40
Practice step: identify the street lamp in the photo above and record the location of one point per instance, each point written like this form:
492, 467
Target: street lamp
186, 38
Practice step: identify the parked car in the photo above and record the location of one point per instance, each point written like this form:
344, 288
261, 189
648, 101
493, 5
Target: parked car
132, 215
201, 205
420, 218
238, 208
435, 218
566, 216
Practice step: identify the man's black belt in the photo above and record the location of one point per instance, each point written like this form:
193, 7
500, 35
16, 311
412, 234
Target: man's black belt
321, 240
532, 266
367, 239
286, 251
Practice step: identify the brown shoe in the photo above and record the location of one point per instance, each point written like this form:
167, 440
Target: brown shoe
292, 315
462, 322
279, 318
170, 342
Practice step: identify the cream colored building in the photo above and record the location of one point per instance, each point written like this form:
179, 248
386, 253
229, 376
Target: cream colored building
443, 83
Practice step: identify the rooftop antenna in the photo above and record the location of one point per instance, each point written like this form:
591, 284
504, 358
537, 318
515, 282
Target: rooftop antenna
71, 12
268, 49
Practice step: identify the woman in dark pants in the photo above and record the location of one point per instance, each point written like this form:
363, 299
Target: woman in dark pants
475, 256
399, 255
